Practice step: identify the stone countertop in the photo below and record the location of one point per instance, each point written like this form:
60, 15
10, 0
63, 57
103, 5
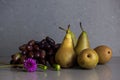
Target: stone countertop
109, 71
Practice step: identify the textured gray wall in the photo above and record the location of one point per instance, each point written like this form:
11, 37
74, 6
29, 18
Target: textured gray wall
23, 20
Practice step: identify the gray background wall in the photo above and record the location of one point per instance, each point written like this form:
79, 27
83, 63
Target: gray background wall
23, 20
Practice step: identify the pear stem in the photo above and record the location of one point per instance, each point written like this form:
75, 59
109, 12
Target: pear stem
68, 26
62, 28
81, 26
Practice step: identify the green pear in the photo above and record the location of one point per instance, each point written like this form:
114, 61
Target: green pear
65, 55
83, 41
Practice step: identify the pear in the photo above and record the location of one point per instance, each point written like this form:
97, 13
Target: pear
65, 55
83, 41
104, 53
88, 58
74, 39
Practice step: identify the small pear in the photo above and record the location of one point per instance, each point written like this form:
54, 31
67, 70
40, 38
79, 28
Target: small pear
65, 55
83, 41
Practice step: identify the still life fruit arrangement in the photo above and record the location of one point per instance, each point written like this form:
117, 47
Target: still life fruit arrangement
69, 53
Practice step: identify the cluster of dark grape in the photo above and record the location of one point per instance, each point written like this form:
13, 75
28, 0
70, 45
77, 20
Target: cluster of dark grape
42, 51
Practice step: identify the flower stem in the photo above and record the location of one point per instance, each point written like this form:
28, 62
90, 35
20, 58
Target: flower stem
56, 67
42, 66
10, 65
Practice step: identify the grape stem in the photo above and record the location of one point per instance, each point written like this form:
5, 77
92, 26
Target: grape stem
81, 26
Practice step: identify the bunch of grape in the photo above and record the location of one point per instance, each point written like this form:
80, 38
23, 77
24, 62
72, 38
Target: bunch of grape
42, 51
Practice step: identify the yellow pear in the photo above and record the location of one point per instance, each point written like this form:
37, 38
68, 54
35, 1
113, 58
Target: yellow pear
65, 55
88, 58
83, 41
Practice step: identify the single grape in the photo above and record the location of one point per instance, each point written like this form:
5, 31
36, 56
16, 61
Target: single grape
47, 47
56, 47
42, 43
22, 59
50, 52
50, 41
16, 56
29, 48
23, 47
30, 54
42, 54
37, 54
51, 60
36, 47
31, 42
37, 42
24, 52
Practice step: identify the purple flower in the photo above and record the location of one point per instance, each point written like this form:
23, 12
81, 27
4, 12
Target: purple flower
30, 65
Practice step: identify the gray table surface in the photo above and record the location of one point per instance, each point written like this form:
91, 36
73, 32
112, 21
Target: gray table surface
109, 71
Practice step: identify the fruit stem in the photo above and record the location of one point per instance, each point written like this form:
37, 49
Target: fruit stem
81, 26
68, 26
62, 28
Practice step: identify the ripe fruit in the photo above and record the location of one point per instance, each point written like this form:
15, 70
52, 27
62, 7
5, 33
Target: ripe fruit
82, 42
88, 58
104, 53
65, 55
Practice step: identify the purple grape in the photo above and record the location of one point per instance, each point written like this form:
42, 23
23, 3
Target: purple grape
42, 54
24, 52
16, 56
51, 60
50, 52
31, 42
23, 47
37, 42
29, 48
36, 47
56, 47
50, 41
37, 54
22, 59
30, 54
